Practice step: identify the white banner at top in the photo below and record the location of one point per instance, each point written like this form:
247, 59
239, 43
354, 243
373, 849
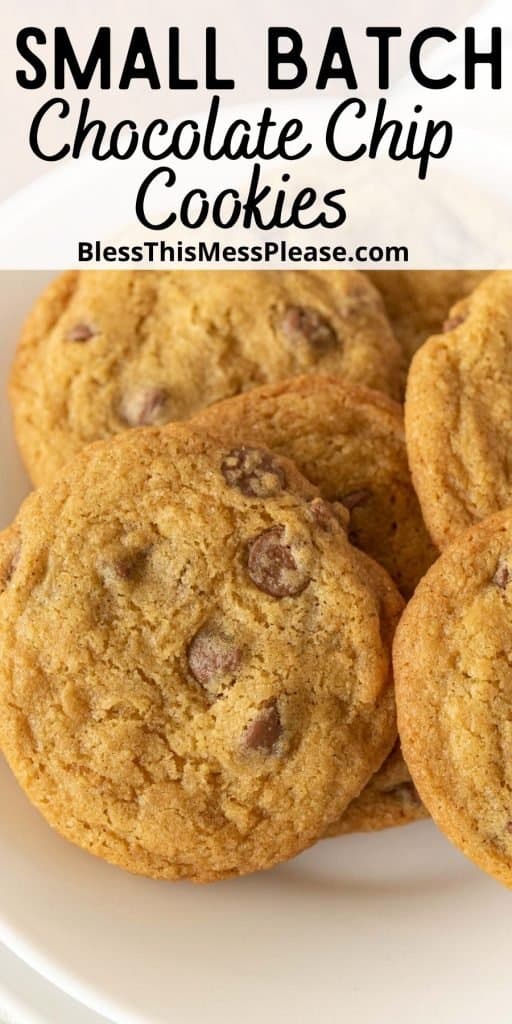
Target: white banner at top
279, 134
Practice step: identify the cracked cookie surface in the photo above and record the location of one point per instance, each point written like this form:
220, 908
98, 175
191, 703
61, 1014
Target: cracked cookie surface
458, 413
106, 351
350, 442
389, 800
195, 671
454, 693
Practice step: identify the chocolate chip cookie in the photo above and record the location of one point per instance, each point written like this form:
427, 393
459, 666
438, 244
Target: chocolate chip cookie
349, 441
454, 684
195, 672
418, 301
106, 351
390, 799
458, 414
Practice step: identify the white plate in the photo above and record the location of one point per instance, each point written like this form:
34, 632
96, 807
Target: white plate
27, 998
386, 928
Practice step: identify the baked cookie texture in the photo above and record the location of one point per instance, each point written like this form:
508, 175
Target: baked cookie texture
417, 301
454, 684
195, 670
389, 800
458, 413
103, 351
350, 442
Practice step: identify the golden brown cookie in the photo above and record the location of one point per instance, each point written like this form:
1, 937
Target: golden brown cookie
454, 684
458, 414
103, 351
418, 301
349, 441
195, 671
390, 799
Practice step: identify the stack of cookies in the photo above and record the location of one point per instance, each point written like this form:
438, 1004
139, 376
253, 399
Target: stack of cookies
199, 602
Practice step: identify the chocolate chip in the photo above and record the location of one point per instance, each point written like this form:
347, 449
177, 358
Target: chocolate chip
211, 655
301, 323
81, 332
272, 566
355, 498
502, 575
254, 472
327, 516
265, 731
508, 826
145, 407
